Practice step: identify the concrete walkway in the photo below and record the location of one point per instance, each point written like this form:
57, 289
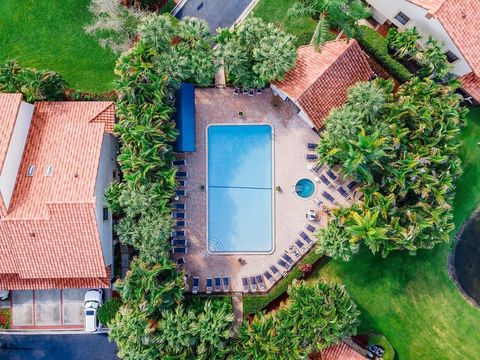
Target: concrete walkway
237, 300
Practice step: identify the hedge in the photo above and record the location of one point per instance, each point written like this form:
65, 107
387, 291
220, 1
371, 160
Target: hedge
107, 311
255, 303
376, 45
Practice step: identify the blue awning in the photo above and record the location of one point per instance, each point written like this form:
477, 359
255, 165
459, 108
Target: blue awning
185, 119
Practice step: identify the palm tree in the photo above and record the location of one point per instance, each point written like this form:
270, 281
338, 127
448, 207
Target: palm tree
340, 14
405, 43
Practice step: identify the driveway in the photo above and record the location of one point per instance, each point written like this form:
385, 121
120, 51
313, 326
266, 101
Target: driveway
57, 347
218, 13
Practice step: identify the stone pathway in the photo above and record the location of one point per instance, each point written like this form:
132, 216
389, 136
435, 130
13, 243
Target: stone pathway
237, 300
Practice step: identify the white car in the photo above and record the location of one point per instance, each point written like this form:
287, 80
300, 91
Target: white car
93, 300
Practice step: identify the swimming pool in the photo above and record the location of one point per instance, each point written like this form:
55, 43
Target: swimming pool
239, 188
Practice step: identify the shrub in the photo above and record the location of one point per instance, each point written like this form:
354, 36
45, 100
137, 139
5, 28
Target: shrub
377, 46
4, 318
107, 311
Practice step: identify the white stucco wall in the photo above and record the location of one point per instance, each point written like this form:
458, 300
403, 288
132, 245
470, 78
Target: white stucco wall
107, 165
14, 155
387, 9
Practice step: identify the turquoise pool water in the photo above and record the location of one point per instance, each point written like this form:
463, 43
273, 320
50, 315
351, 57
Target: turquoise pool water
305, 188
240, 188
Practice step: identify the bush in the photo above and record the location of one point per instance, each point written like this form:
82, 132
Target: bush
4, 318
107, 311
377, 46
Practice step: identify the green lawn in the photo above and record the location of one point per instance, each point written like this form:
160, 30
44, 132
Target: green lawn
49, 34
275, 11
411, 299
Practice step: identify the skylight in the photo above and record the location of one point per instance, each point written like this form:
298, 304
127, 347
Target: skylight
48, 170
30, 170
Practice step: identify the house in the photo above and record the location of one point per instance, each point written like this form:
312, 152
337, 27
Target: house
456, 23
340, 351
319, 80
56, 159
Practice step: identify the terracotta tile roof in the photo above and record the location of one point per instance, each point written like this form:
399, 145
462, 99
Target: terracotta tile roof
340, 351
50, 233
9, 105
461, 20
319, 80
471, 84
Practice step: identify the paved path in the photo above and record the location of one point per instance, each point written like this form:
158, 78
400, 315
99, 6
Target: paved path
57, 347
218, 13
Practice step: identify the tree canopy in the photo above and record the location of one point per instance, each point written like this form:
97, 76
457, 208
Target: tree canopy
404, 156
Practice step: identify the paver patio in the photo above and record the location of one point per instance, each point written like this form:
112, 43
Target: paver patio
291, 134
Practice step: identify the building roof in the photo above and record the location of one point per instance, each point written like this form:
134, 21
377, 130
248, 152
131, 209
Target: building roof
320, 80
340, 351
471, 84
461, 20
50, 231
9, 105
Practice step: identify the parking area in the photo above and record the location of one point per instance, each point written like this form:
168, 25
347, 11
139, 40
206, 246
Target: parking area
56, 308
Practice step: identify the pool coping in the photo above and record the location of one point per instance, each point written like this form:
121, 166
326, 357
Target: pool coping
272, 134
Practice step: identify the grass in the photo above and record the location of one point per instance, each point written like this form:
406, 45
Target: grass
275, 11
49, 34
411, 299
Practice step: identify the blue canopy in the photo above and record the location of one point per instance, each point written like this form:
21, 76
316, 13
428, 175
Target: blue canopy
185, 119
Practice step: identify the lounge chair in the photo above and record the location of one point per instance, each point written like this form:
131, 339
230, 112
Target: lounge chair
236, 90
352, 185
295, 251
182, 162
260, 282
178, 215
311, 146
195, 285
208, 287
329, 197
315, 169
305, 237
180, 206
268, 276
180, 261
331, 175
181, 183
343, 192
287, 258
300, 245
259, 91
178, 234
179, 250
180, 223
311, 157
275, 271
179, 242
245, 91
218, 284
181, 192
253, 284
311, 228
226, 284
283, 264
251, 92
245, 285
181, 174
325, 180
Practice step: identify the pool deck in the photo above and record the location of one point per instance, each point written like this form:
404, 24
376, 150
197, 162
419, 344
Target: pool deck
291, 134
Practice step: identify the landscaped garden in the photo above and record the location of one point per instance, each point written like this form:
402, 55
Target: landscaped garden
50, 35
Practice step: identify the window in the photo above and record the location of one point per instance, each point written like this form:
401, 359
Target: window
105, 214
402, 18
451, 57
30, 170
48, 170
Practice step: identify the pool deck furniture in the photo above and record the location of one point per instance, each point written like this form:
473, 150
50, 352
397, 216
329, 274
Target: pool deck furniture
180, 224
195, 285
226, 284
177, 234
343, 192
246, 288
288, 259
181, 183
269, 277
311, 146
180, 261
218, 284
178, 215
311, 228
179, 242
275, 271
305, 237
352, 185
179, 250
260, 282
324, 180
253, 284
208, 286
317, 201
294, 251
179, 206
284, 265
181, 174
311, 157
301, 246
329, 197
181, 192
331, 174
181, 162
